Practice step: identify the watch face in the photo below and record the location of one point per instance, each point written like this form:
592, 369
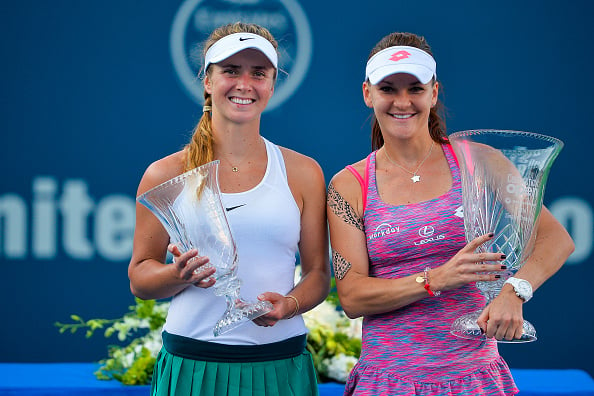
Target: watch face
524, 288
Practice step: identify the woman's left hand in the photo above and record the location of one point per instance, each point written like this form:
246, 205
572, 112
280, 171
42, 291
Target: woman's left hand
282, 308
502, 318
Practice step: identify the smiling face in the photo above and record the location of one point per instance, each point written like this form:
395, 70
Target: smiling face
401, 104
240, 86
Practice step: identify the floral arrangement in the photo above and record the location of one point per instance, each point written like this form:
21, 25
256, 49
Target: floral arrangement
131, 364
334, 340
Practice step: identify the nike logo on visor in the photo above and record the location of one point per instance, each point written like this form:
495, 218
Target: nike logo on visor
246, 38
234, 207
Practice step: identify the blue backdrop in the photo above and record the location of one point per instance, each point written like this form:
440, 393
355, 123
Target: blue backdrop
92, 92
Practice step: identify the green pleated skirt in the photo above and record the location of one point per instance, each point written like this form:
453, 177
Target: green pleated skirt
175, 375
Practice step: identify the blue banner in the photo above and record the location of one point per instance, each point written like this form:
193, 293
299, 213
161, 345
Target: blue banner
93, 92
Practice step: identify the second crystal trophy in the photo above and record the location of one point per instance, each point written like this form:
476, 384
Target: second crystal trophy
503, 174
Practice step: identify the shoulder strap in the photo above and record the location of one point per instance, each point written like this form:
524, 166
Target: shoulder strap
448, 147
363, 181
275, 159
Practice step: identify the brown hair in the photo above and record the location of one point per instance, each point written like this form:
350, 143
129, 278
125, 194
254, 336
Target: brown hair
437, 128
199, 149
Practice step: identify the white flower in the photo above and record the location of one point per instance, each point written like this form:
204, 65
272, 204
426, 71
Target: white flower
324, 315
128, 359
339, 367
161, 308
153, 342
355, 329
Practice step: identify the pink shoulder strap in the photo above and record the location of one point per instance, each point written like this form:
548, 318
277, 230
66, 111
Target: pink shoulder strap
364, 182
449, 147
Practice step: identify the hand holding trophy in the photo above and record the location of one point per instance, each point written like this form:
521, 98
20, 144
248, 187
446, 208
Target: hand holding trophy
189, 206
503, 174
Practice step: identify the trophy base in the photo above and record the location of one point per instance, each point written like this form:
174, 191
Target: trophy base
466, 327
240, 312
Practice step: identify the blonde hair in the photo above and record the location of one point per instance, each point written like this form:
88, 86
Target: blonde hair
199, 149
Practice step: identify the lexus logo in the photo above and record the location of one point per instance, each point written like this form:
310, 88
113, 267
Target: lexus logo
426, 231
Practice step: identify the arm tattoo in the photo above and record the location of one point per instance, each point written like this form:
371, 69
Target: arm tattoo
341, 266
343, 209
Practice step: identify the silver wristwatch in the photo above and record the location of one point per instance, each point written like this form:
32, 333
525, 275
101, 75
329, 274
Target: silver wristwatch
522, 287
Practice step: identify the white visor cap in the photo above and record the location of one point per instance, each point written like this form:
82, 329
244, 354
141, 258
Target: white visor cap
233, 43
400, 59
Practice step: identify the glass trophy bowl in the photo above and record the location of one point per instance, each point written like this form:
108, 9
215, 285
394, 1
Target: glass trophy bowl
190, 208
503, 175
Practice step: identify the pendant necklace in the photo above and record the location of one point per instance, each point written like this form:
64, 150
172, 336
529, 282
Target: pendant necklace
415, 178
235, 168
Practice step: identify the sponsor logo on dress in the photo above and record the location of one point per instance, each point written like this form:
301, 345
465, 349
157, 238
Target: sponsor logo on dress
383, 230
286, 20
427, 233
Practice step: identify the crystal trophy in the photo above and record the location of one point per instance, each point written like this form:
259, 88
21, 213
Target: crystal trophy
503, 177
189, 206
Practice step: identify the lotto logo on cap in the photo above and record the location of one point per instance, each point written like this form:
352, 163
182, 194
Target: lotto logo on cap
402, 54
401, 59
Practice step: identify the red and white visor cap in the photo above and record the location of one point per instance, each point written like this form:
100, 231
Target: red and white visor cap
401, 59
233, 43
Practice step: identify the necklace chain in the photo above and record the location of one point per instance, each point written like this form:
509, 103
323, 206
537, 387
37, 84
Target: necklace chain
235, 168
415, 178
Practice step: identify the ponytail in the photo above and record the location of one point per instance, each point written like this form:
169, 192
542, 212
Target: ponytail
199, 150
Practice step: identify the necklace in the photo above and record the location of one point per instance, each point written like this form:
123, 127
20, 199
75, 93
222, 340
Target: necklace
415, 178
234, 168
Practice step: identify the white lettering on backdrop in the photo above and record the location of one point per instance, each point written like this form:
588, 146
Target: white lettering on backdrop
84, 229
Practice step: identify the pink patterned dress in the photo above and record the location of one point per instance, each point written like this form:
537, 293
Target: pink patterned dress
410, 351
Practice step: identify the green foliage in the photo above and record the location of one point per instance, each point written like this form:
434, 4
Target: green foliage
131, 364
139, 373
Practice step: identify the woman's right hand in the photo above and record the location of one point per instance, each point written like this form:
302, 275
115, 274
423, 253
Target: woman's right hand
188, 267
467, 267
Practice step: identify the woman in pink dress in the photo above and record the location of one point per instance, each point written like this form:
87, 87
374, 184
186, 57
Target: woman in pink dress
398, 247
